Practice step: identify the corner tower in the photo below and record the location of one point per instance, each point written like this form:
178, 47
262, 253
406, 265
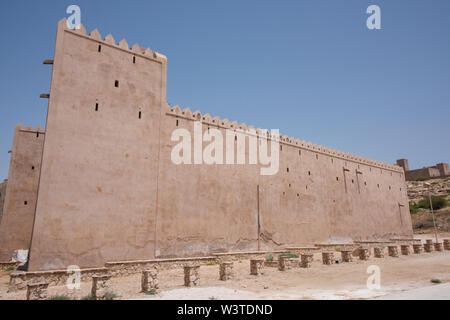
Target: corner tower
98, 184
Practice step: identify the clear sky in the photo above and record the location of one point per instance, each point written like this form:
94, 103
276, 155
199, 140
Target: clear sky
309, 68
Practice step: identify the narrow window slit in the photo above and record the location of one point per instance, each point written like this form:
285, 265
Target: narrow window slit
140, 114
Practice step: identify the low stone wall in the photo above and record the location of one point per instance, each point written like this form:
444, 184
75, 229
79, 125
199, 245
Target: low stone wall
406, 242
19, 280
271, 264
249, 255
125, 268
303, 250
4, 266
337, 246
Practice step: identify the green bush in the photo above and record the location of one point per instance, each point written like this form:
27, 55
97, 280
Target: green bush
438, 202
436, 281
413, 208
88, 297
269, 258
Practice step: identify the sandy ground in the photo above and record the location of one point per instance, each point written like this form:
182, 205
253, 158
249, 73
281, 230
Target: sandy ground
406, 277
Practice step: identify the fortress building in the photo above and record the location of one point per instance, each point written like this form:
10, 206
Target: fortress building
440, 170
107, 189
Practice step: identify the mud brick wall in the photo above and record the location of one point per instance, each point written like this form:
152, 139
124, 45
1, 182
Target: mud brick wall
21, 192
109, 134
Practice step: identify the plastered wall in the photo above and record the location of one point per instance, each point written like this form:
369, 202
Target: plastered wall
109, 191
2, 197
21, 192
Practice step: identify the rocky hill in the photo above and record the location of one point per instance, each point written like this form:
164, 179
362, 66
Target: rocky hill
418, 192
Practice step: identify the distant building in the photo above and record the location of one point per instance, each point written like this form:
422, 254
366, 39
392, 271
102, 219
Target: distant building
440, 170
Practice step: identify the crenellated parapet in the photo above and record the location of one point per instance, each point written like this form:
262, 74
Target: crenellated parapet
110, 41
207, 119
29, 128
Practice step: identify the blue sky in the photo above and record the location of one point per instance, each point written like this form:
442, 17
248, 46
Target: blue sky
310, 68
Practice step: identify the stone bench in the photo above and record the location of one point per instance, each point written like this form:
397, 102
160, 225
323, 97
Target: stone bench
37, 291
328, 258
226, 271
393, 251
149, 280
364, 254
447, 244
378, 252
346, 255
306, 260
417, 248
428, 246
101, 286
438, 246
284, 263
405, 249
256, 267
191, 275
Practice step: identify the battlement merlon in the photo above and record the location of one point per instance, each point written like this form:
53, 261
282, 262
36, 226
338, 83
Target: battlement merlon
20, 127
283, 139
109, 41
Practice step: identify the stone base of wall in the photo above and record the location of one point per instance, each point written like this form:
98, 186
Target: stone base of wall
18, 280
